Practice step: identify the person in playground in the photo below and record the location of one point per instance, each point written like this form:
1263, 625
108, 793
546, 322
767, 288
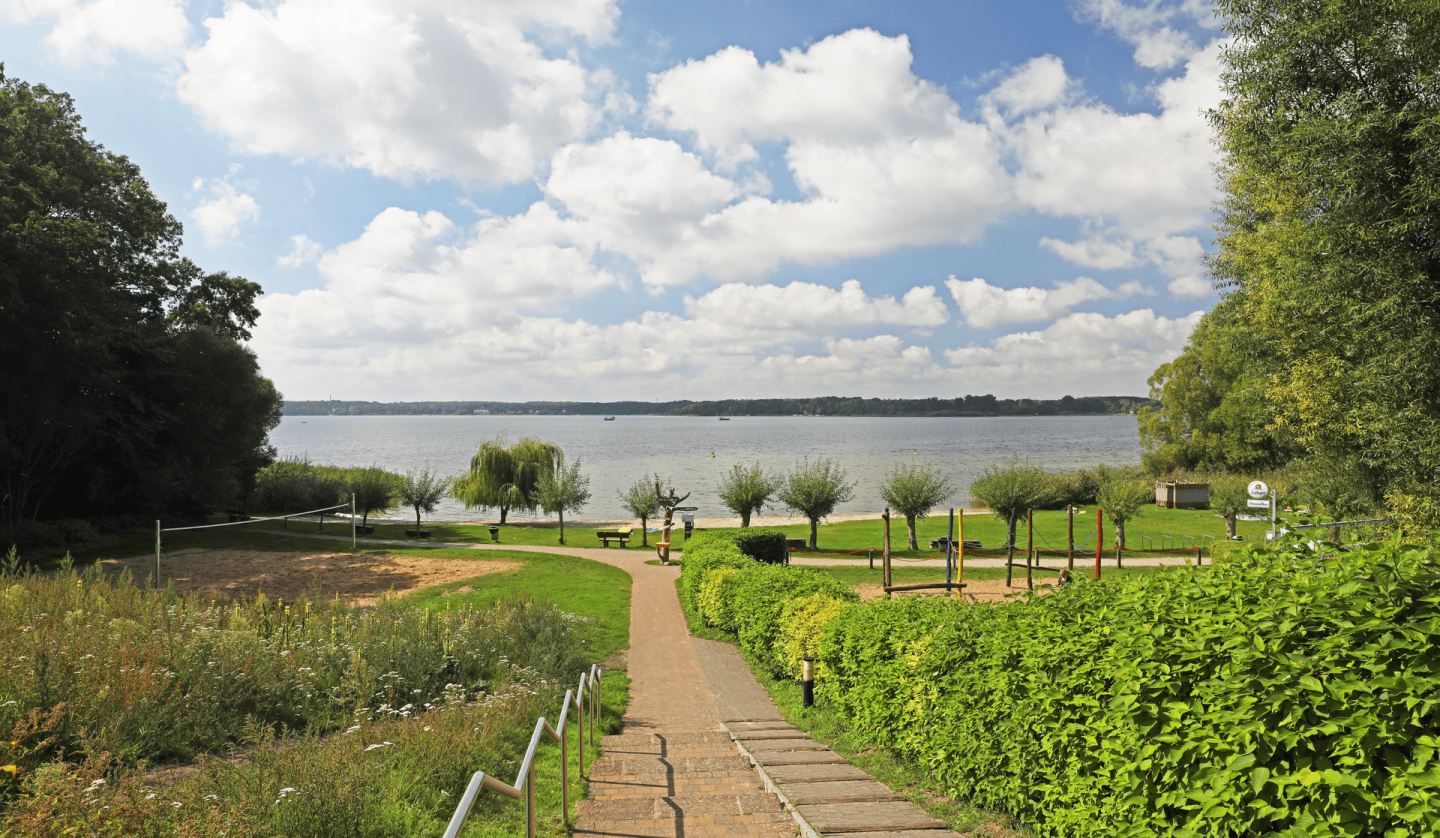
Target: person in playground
1065, 578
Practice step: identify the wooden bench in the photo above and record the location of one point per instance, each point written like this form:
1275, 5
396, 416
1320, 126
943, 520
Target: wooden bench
939, 543
621, 535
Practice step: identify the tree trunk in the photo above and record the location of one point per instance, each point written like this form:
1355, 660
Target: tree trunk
417, 522
644, 532
562, 526
814, 534
503, 510
910, 522
745, 519
1230, 525
365, 519
1119, 535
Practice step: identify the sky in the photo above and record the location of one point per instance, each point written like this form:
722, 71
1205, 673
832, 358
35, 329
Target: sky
610, 200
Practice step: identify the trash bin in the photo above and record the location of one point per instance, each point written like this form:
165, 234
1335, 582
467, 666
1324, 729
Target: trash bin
689, 521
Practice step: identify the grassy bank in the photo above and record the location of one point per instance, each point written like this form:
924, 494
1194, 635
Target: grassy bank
364, 721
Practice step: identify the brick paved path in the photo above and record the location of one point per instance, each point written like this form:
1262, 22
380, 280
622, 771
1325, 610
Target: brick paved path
705, 752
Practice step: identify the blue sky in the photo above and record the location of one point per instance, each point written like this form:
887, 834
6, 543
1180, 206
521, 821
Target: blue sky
590, 199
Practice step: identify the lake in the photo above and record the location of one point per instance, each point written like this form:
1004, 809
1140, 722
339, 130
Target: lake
694, 452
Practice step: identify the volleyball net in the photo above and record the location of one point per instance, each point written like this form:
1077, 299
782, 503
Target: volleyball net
252, 533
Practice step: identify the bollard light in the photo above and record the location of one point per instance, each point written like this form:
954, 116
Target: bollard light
807, 683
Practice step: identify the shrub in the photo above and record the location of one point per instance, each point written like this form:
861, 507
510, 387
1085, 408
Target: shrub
758, 598
802, 627
766, 546
706, 552
713, 601
1274, 694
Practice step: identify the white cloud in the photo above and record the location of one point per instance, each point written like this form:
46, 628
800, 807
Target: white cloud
1178, 257
806, 310
984, 305
303, 250
219, 218
92, 32
1158, 45
1039, 83
403, 89
1110, 354
1135, 175
1095, 252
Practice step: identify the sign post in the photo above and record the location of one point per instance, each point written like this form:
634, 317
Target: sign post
1262, 496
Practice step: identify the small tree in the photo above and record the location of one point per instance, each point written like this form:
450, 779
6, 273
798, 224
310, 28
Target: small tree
374, 490
565, 489
1122, 500
1010, 490
814, 490
1228, 496
913, 490
422, 492
641, 502
506, 477
745, 491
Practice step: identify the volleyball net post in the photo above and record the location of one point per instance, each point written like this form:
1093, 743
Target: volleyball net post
160, 530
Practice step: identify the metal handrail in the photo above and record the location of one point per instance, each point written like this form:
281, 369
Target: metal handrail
589, 686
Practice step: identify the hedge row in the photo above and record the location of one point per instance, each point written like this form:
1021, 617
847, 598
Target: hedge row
1275, 694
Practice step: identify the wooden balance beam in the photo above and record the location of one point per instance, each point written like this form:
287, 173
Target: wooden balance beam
924, 586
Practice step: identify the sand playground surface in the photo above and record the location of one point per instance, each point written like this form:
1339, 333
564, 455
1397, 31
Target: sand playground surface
357, 579
980, 590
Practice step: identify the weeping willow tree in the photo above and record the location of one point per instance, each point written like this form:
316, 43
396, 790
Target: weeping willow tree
508, 477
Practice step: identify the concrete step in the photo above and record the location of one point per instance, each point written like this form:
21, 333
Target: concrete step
837, 818
739, 726
842, 791
904, 833
787, 775
680, 805
773, 733
791, 744
769, 758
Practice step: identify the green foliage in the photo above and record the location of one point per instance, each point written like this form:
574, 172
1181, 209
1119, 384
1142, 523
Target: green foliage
642, 501
1276, 694
507, 477
422, 491
913, 489
815, 489
293, 484
745, 490
763, 544
563, 490
375, 490
706, 552
138, 395
1010, 490
1329, 243
1213, 411
144, 674
1123, 500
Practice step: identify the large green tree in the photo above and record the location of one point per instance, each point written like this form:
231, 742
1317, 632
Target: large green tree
814, 489
508, 476
746, 489
126, 386
1329, 244
913, 489
1213, 412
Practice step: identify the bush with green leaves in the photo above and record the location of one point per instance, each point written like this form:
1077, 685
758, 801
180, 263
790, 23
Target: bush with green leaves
913, 489
746, 489
814, 489
1010, 490
1280, 693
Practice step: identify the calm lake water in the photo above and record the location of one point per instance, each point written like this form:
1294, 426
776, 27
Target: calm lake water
614, 454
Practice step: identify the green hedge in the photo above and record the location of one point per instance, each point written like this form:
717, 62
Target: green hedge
1276, 694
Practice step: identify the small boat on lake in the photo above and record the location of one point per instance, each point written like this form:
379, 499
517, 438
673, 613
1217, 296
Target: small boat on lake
724, 418
609, 418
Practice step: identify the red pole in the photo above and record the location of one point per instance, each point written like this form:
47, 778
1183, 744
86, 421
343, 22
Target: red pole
1099, 540
1029, 548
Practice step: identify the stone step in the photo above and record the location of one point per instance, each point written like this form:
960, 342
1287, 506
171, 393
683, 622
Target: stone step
769, 758
739, 726
904, 833
777, 733
682, 805
838, 818
792, 744
842, 791
644, 766
787, 775
763, 825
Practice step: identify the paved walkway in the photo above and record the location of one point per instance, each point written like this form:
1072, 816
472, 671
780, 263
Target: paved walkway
705, 753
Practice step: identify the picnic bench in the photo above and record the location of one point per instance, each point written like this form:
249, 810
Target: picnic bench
620, 534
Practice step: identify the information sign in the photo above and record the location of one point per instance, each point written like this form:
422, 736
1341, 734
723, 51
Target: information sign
1258, 489
1258, 504
687, 509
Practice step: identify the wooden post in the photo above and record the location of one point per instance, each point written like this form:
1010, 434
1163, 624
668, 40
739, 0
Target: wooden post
949, 549
1029, 549
157, 555
960, 557
352, 522
1010, 550
1099, 540
1070, 556
885, 571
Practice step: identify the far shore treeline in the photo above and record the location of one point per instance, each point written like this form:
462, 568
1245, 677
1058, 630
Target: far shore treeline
819, 406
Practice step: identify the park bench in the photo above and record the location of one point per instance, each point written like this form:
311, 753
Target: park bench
939, 543
621, 535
